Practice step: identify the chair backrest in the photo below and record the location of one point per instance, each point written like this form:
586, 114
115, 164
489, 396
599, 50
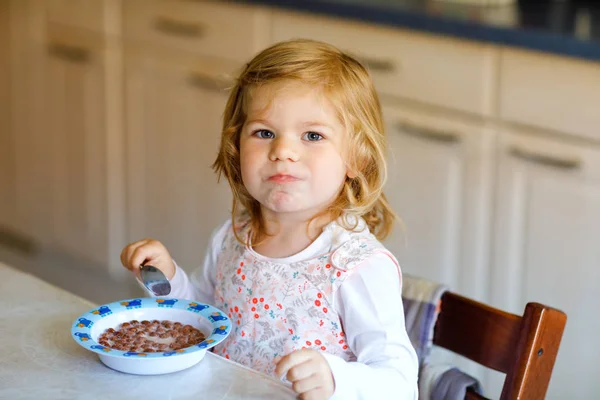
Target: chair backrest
524, 347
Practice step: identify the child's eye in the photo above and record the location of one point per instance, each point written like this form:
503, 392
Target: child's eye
264, 134
312, 136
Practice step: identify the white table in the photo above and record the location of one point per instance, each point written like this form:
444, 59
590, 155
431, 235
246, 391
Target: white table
40, 360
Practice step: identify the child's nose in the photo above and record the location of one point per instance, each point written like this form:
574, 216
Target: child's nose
283, 149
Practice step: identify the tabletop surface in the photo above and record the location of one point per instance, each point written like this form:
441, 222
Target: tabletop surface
39, 358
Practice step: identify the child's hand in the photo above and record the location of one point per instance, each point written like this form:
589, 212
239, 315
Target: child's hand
309, 373
147, 251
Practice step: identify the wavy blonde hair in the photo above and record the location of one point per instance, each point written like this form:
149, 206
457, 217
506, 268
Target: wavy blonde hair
347, 85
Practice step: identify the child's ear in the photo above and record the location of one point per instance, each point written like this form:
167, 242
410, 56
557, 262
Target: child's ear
350, 173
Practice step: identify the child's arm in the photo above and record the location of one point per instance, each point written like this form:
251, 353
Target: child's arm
200, 286
370, 306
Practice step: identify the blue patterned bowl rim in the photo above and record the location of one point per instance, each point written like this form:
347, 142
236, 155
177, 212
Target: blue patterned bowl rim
81, 327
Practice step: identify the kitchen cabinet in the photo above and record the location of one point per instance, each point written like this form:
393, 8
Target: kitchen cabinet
546, 245
440, 184
173, 108
24, 168
90, 15
555, 93
7, 164
82, 143
181, 59
404, 63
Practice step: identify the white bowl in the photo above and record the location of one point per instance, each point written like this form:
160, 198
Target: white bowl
212, 322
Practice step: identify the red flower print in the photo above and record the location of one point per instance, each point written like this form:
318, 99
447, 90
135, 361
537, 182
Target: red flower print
227, 356
239, 290
317, 303
318, 342
236, 309
325, 310
342, 334
255, 300
253, 308
262, 299
328, 266
230, 309
266, 306
345, 347
243, 333
319, 295
321, 323
323, 348
241, 264
256, 316
339, 274
308, 343
238, 321
342, 341
243, 277
291, 331
280, 306
240, 315
229, 315
239, 271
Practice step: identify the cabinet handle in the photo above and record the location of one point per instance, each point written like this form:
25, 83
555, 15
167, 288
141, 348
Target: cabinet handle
178, 28
203, 81
74, 54
376, 64
429, 134
545, 159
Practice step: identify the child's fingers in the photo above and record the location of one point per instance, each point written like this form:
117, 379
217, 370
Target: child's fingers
301, 371
291, 360
143, 253
310, 382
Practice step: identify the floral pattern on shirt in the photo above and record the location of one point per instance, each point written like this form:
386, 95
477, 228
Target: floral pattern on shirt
278, 308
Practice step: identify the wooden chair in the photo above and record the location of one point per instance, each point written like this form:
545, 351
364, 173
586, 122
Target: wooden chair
524, 347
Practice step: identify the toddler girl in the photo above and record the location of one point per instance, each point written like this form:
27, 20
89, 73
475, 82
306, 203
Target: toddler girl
312, 294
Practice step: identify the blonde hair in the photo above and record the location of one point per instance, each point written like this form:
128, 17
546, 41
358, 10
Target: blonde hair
347, 85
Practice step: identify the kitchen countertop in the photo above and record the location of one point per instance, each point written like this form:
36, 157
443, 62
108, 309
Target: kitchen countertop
569, 28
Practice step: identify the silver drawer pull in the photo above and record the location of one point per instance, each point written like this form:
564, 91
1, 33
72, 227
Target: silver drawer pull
545, 159
429, 134
203, 81
376, 64
178, 28
74, 54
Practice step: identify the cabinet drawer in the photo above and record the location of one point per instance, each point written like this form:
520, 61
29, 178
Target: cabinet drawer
552, 92
440, 71
215, 29
99, 16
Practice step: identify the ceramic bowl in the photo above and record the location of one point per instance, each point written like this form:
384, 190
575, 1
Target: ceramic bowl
212, 322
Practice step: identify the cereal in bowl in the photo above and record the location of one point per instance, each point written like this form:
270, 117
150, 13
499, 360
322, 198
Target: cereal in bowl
151, 336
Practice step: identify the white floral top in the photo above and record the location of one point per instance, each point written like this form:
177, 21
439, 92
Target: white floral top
340, 296
277, 308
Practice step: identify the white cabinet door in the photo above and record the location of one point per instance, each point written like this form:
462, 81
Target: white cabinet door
26, 163
174, 106
440, 180
547, 247
79, 136
7, 164
440, 183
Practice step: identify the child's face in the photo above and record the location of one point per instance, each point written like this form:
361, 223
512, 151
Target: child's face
291, 150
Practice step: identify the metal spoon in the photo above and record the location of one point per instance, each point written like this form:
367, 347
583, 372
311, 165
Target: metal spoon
154, 280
